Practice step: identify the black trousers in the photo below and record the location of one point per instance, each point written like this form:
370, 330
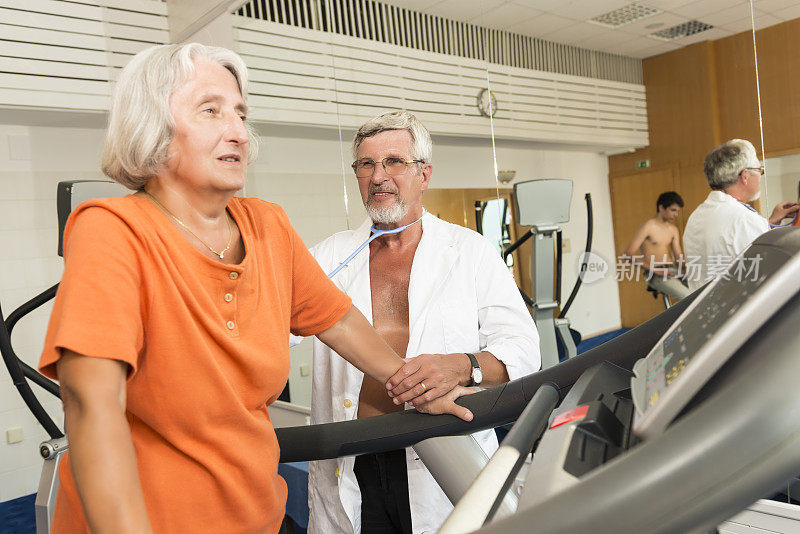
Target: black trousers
383, 479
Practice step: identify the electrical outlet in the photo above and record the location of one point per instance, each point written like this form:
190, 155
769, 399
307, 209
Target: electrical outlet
565, 245
305, 370
14, 435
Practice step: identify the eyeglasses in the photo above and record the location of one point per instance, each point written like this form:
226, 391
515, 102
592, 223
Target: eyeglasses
394, 166
759, 170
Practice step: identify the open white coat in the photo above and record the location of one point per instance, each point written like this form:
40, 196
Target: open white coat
461, 299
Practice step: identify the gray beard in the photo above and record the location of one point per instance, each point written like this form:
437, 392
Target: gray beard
391, 215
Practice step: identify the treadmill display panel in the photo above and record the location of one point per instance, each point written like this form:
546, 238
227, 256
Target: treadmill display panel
714, 326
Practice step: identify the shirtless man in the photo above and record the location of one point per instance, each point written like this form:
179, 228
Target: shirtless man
441, 296
656, 247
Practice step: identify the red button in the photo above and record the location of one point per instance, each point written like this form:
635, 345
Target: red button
571, 415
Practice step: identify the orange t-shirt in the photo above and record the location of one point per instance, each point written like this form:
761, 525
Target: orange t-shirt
207, 344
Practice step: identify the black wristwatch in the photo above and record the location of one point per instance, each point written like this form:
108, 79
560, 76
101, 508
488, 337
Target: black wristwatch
477, 375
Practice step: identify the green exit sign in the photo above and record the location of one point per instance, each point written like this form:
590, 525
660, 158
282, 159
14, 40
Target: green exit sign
643, 164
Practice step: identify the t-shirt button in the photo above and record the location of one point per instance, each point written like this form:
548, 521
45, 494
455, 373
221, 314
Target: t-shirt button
231, 325
228, 297
233, 275
347, 403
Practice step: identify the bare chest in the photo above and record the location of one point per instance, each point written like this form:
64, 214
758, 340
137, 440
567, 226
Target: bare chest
390, 273
659, 237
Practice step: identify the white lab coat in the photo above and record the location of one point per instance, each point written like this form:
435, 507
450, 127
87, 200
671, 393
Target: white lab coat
718, 231
461, 299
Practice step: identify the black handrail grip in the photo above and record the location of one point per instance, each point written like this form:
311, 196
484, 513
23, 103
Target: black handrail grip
29, 372
18, 378
589, 231
39, 379
29, 306
518, 243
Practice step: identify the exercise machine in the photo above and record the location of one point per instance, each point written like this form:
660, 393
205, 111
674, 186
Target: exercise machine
543, 205
695, 431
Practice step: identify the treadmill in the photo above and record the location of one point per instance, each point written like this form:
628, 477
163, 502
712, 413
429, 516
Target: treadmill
701, 427
675, 426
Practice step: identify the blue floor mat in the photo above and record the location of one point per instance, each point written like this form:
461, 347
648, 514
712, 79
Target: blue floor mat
592, 342
17, 516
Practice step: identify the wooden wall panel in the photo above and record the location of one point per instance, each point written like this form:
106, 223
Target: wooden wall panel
458, 207
692, 185
626, 163
779, 71
736, 81
681, 94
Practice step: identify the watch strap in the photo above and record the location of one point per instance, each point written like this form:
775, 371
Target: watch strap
475, 366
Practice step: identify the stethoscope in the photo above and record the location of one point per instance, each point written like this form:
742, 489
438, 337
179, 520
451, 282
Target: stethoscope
374, 233
751, 208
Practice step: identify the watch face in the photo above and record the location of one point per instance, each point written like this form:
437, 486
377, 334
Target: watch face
487, 103
477, 375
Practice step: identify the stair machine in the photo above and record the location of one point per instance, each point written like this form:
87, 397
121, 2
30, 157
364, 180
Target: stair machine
673, 427
542, 205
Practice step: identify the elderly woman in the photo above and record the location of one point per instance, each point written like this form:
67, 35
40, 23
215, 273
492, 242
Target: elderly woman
169, 331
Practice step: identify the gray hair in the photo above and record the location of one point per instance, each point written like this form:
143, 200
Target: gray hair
421, 147
725, 162
140, 124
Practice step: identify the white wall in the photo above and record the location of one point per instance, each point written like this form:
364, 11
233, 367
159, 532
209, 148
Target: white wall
301, 169
32, 161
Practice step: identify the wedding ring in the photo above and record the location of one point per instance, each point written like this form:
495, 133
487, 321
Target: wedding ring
424, 389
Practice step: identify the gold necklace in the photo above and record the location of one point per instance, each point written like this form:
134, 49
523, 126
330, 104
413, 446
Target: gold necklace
221, 254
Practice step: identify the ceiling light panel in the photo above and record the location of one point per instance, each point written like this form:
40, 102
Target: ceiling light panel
685, 29
625, 15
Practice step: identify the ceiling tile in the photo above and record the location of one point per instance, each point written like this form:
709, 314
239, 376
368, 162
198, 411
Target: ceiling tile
543, 5
731, 14
633, 47
653, 50
762, 21
606, 40
708, 35
772, 6
506, 15
666, 5
645, 26
576, 32
541, 24
700, 8
587, 9
789, 13
463, 9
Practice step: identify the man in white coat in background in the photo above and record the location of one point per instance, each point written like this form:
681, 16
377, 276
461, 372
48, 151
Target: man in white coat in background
724, 225
442, 297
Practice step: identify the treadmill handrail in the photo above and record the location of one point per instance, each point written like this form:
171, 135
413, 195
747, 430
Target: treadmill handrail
20, 382
491, 408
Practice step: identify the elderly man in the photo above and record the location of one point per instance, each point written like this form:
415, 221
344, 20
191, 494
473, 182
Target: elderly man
724, 225
439, 294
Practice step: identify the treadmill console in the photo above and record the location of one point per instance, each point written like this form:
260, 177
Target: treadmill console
72, 193
608, 410
543, 202
730, 310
